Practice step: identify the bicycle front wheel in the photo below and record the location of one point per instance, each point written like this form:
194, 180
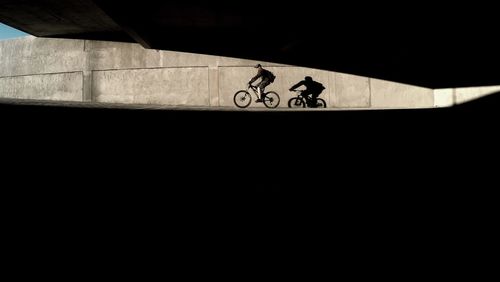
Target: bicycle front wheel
271, 100
242, 99
296, 103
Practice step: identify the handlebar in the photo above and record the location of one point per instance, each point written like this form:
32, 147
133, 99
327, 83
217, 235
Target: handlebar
252, 86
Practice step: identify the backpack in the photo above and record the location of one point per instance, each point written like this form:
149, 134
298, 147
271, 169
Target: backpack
318, 86
271, 76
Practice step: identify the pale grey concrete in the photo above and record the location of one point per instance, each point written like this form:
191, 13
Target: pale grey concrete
31, 55
350, 91
386, 94
112, 55
454, 96
444, 97
56, 87
111, 72
169, 86
466, 94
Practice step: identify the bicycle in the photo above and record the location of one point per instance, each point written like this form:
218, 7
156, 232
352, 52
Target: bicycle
243, 98
301, 102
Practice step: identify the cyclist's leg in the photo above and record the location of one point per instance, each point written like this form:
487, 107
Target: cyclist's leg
262, 86
306, 94
314, 98
259, 91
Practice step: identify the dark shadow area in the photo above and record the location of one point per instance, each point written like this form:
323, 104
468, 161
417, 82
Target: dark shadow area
485, 105
343, 137
429, 47
114, 185
334, 159
112, 190
383, 145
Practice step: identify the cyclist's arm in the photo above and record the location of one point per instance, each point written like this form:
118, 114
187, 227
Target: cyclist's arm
259, 74
296, 86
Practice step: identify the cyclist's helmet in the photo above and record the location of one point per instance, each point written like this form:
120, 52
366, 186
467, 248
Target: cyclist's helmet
308, 78
258, 65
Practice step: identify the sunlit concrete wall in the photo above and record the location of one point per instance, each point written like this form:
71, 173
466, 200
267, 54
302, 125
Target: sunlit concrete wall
111, 72
56, 87
396, 95
454, 96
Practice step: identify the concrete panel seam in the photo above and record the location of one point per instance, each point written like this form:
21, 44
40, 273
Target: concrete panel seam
433, 97
335, 85
83, 86
330, 91
209, 91
152, 68
251, 66
91, 87
369, 92
38, 74
218, 87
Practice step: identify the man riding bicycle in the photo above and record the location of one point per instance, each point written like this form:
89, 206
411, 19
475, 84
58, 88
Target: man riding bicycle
267, 78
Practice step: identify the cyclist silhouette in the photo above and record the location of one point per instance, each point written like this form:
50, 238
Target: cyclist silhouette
266, 77
313, 89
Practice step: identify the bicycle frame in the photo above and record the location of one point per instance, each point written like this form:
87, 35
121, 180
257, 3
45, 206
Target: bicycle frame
299, 95
254, 90
270, 99
307, 100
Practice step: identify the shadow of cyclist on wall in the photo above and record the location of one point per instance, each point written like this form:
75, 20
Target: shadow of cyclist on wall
312, 91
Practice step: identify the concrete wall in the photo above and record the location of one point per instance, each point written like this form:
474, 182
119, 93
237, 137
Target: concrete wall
386, 94
444, 97
453, 96
111, 72
164, 86
55, 87
350, 91
30, 55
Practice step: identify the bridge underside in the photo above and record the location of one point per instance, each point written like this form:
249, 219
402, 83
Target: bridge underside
418, 44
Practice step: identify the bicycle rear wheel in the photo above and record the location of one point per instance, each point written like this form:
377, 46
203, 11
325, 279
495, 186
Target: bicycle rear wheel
296, 103
242, 99
271, 100
321, 103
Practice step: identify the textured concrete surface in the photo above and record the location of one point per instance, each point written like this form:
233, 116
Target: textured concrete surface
111, 72
444, 97
466, 94
350, 91
30, 55
112, 55
454, 96
57, 87
172, 86
386, 94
